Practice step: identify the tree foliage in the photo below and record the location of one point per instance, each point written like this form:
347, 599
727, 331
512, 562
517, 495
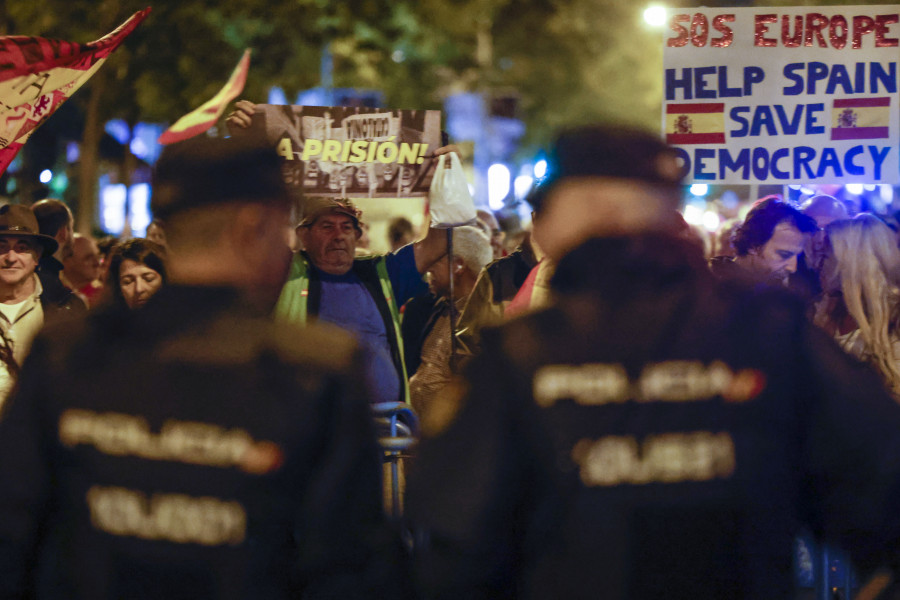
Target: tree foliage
568, 61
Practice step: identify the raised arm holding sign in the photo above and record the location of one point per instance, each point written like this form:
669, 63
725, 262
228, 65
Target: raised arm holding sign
327, 281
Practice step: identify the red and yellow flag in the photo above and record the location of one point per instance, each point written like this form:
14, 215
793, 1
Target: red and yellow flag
199, 120
38, 74
861, 118
695, 123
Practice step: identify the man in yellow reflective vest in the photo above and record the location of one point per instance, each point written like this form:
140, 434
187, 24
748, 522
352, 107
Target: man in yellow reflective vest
363, 295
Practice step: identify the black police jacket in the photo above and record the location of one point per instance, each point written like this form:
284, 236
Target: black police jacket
189, 450
654, 435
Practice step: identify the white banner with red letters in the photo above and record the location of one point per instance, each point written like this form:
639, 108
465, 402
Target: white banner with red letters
784, 94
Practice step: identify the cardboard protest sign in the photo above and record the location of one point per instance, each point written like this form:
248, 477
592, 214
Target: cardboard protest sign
784, 94
351, 151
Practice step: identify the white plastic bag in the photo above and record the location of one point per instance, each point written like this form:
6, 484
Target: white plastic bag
450, 202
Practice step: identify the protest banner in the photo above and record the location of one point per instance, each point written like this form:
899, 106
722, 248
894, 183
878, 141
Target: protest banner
784, 94
350, 151
38, 74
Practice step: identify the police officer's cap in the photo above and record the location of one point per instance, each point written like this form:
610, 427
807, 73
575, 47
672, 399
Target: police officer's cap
612, 152
204, 171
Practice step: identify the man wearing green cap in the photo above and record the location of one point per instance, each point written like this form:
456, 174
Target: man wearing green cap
362, 295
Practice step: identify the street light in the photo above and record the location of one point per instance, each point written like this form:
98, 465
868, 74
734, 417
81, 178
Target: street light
655, 15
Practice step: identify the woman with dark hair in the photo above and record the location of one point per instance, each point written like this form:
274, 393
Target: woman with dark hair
137, 270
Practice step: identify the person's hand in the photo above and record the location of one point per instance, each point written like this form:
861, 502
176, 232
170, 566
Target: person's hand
447, 150
241, 116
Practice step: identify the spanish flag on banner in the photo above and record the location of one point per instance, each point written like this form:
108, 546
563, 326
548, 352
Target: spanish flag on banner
860, 118
39, 74
697, 123
200, 119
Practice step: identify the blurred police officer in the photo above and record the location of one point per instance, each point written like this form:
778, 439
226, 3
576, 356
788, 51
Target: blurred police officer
191, 449
653, 435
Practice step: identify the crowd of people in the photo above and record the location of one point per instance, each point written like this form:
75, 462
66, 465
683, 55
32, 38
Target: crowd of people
607, 411
50, 273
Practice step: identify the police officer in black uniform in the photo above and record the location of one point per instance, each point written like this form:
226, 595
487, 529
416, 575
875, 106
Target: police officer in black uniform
654, 434
192, 449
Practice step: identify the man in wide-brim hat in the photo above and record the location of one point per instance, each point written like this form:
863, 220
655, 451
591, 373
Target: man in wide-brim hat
22, 313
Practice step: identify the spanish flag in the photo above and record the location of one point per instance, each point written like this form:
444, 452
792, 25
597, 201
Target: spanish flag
697, 123
200, 119
39, 74
860, 118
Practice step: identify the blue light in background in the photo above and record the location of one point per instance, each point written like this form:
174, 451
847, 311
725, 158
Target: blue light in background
143, 139
276, 96
700, 189
117, 128
498, 185
112, 207
522, 185
140, 209
72, 152
15, 165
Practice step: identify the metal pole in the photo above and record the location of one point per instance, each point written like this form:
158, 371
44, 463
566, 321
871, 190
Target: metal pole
848, 576
823, 588
396, 510
452, 299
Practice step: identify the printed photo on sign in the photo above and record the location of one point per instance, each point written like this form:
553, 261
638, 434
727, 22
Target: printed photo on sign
351, 151
783, 95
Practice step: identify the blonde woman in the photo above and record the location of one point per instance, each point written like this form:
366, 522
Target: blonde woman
861, 285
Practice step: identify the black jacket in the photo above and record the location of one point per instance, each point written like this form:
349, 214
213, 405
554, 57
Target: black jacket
189, 450
57, 301
655, 435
